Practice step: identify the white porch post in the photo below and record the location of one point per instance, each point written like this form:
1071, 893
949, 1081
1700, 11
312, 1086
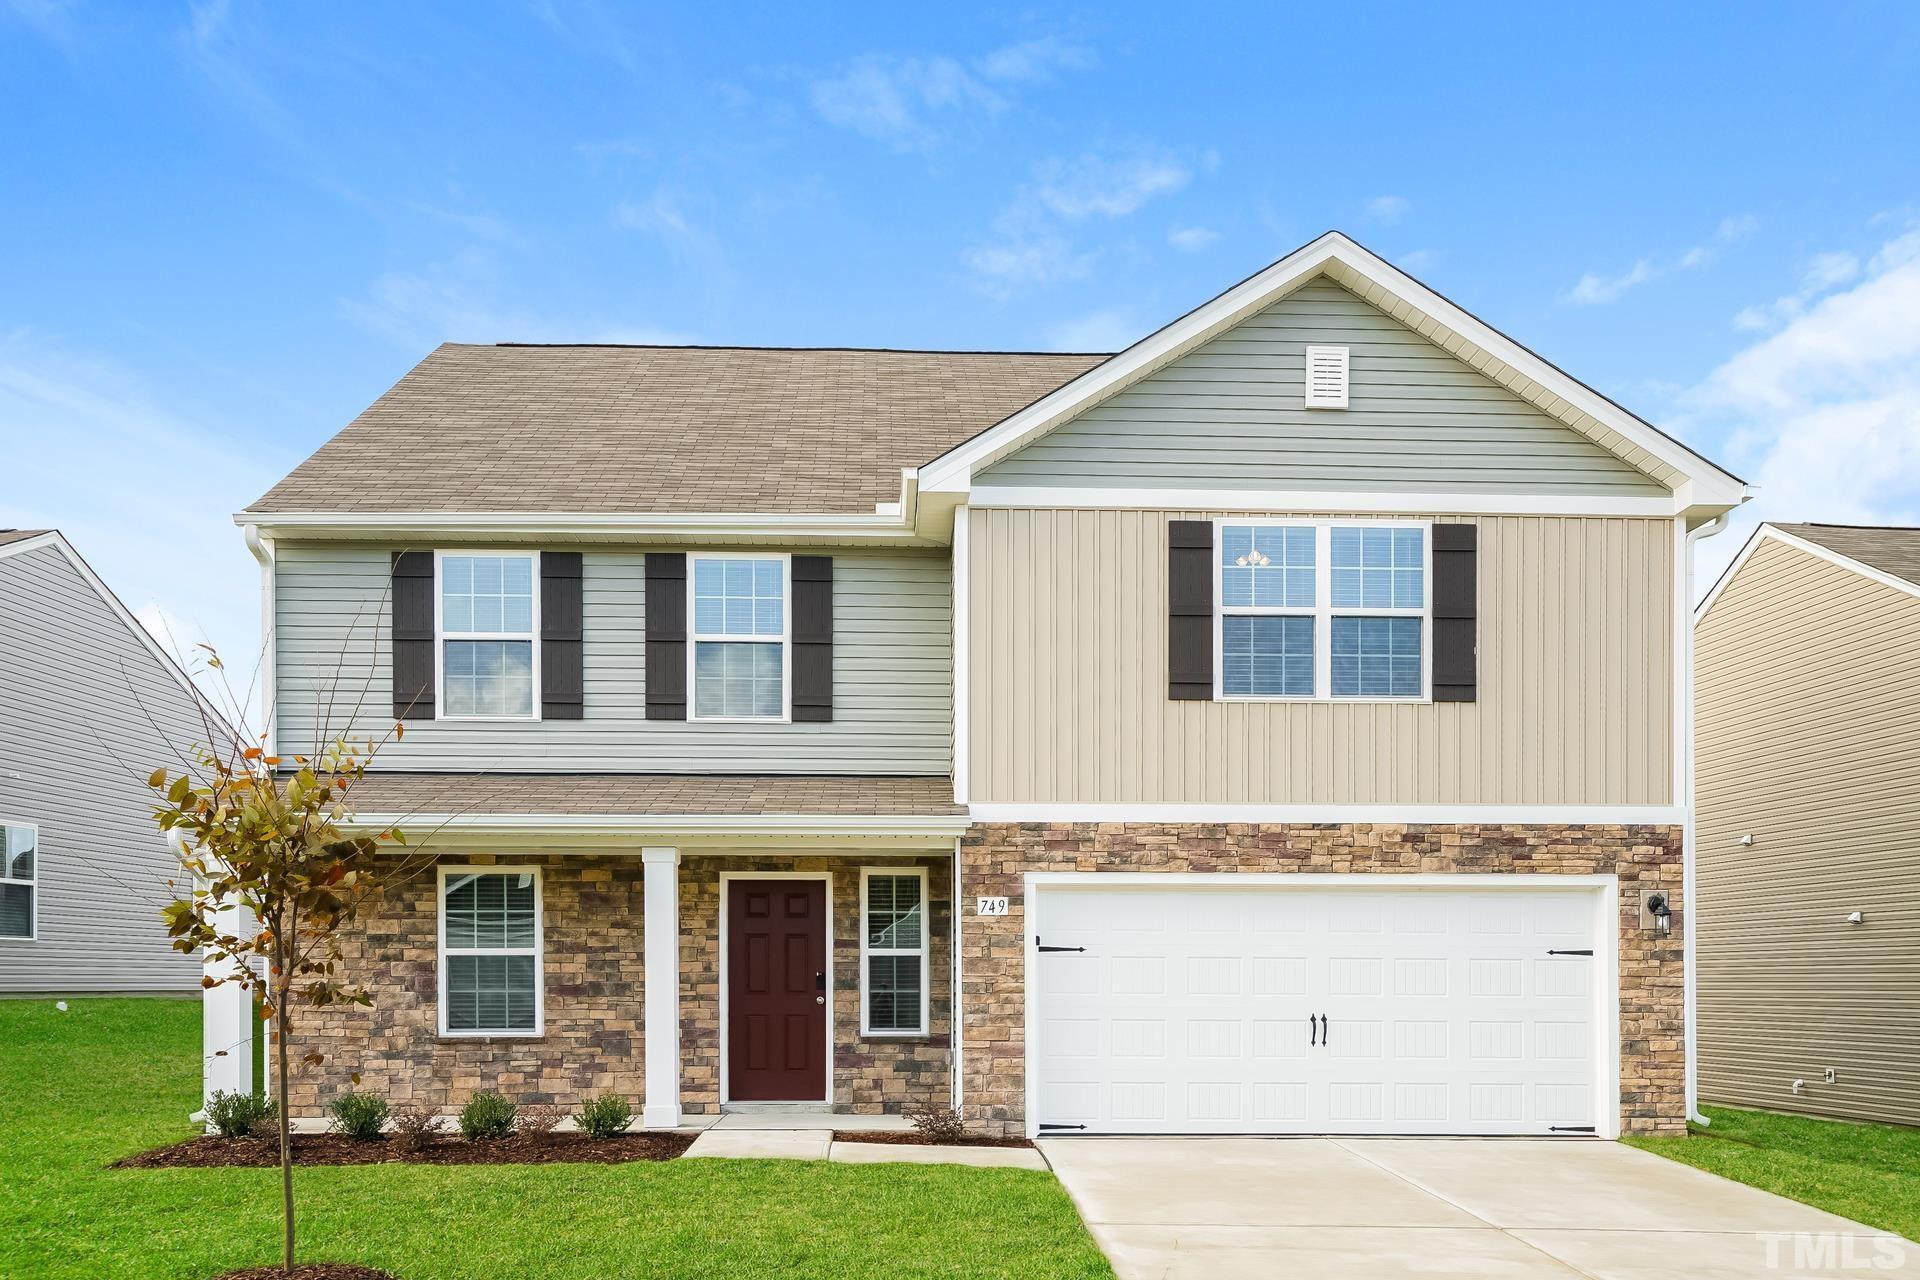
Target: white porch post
226, 1024
660, 894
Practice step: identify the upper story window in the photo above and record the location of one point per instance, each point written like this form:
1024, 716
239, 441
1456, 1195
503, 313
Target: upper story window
740, 637
488, 620
1322, 610
17, 882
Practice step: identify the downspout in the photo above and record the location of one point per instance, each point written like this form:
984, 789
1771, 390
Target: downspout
956, 1021
262, 549
1688, 852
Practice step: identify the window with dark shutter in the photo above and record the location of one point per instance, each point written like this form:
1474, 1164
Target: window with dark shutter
1455, 613
666, 635
562, 636
412, 635
813, 638
1190, 610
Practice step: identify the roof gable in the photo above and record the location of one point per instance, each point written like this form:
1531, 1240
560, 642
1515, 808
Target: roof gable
1885, 554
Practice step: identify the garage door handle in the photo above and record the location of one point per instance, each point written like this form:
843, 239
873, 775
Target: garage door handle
1313, 1037
1324, 1039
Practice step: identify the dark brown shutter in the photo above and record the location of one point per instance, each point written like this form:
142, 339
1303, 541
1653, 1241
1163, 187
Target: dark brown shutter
666, 635
562, 691
413, 635
812, 638
1455, 613
1190, 610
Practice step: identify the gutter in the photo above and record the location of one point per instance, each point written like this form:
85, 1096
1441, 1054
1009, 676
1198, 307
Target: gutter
752, 826
1689, 853
262, 549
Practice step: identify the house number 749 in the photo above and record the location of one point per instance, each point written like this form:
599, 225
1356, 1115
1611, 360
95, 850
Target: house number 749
991, 907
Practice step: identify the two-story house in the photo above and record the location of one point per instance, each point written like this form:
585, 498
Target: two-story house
1278, 726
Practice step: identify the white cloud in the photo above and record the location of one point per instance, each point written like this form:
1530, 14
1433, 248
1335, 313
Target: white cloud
1388, 209
1023, 253
143, 494
1818, 274
1108, 329
907, 101
1192, 239
1109, 185
1596, 288
1417, 260
1824, 415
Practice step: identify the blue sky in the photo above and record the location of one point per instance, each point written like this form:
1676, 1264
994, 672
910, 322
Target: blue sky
230, 226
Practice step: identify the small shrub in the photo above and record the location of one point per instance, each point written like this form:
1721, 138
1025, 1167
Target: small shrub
937, 1122
606, 1116
239, 1115
540, 1117
358, 1115
413, 1128
487, 1116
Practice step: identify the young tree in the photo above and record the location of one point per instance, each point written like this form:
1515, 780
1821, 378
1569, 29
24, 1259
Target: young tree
272, 836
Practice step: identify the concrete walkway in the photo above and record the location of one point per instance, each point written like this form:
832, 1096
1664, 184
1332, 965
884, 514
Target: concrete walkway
1338, 1209
791, 1142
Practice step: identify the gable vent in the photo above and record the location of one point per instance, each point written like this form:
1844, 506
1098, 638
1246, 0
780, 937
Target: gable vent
1326, 377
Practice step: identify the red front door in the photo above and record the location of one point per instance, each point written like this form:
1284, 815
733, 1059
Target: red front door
777, 990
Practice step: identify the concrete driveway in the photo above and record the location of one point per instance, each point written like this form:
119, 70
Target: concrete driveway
1223, 1208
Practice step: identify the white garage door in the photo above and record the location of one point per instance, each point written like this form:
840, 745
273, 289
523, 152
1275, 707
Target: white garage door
1271, 1009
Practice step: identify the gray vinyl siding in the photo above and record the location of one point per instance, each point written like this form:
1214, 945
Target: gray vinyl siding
86, 712
1230, 415
893, 682
1808, 691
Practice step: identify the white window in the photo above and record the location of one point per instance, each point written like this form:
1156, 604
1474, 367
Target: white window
1321, 610
739, 651
490, 938
18, 910
893, 952
489, 615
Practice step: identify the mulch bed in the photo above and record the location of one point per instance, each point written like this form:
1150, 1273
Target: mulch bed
914, 1138
310, 1271
327, 1148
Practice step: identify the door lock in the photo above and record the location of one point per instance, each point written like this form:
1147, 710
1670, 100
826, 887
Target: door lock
819, 999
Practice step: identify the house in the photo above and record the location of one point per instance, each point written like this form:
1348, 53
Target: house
89, 706
1278, 726
1809, 793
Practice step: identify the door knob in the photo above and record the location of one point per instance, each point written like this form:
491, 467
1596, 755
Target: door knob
819, 999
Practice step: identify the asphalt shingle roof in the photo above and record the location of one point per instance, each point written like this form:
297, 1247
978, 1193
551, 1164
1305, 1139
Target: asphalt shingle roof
20, 535
589, 429
644, 794
1886, 548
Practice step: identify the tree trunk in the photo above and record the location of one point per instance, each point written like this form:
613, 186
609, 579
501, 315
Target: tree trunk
283, 1021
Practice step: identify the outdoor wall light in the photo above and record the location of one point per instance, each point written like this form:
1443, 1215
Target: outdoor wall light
1662, 914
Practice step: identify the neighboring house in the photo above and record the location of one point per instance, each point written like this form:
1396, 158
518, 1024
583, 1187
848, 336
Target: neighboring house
1808, 711
88, 707
1275, 727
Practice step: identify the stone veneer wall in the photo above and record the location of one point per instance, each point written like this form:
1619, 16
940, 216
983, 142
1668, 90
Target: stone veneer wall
995, 857
595, 991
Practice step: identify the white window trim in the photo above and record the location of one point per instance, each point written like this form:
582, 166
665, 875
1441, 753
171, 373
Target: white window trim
1323, 611
33, 885
785, 639
440, 636
924, 951
539, 951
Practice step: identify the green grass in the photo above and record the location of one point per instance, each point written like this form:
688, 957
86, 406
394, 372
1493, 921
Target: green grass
1867, 1172
110, 1077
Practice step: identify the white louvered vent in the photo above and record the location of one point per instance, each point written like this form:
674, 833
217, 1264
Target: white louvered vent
1326, 377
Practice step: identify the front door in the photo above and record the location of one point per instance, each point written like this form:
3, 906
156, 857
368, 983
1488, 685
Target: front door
776, 990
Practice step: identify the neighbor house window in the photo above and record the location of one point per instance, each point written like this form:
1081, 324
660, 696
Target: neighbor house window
739, 637
1319, 610
17, 885
490, 951
893, 952
487, 624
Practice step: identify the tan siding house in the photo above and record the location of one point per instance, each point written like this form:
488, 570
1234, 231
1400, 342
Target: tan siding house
1808, 710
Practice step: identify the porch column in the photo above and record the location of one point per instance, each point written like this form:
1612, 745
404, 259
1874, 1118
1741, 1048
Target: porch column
660, 894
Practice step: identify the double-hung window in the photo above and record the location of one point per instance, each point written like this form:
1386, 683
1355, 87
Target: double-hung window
488, 620
893, 952
490, 983
17, 883
739, 637
1322, 610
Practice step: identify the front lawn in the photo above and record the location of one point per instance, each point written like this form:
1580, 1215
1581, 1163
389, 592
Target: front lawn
1867, 1172
81, 1089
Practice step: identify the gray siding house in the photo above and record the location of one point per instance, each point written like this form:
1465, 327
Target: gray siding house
1275, 727
88, 706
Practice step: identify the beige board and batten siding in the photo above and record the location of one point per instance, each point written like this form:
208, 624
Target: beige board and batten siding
1808, 739
1068, 699
1231, 415
892, 679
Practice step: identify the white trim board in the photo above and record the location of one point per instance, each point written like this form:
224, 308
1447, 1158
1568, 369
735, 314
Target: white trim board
1771, 533
726, 877
937, 828
1425, 814
588, 526
1313, 501
1456, 331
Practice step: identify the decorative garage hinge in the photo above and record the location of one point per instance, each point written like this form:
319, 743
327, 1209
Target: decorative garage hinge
1570, 953
1552, 1128
1040, 946
1048, 1128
